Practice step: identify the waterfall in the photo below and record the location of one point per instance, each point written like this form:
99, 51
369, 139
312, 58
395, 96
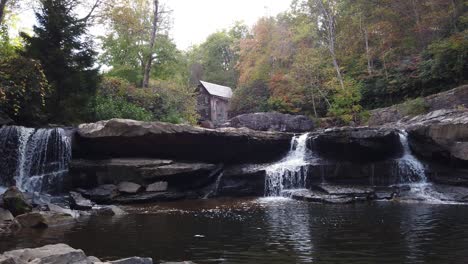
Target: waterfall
413, 174
291, 172
35, 160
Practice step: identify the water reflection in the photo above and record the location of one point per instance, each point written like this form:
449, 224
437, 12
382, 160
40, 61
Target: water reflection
268, 231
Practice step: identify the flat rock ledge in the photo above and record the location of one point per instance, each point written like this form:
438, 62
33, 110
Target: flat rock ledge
61, 254
118, 138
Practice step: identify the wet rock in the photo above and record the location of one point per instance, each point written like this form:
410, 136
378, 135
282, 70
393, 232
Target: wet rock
241, 181
102, 194
452, 193
385, 193
129, 187
183, 262
118, 138
150, 197
133, 260
15, 202
273, 121
111, 210
63, 211
346, 190
5, 215
362, 144
78, 202
320, 197
93, 259
157, 187
32, 220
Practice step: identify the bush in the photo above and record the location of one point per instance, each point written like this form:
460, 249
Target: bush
108, 108
345, 104
414, 107
24, 90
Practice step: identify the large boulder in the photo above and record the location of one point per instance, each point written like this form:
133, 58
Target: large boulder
32, 220
59, 254
15, 202
440, 135
119, 138
362, 144
273, 121
452, 99
5, 215
78, 202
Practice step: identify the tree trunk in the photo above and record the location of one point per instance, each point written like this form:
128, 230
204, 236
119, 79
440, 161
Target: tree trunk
330, 27
2, 9
150, 58
366, 40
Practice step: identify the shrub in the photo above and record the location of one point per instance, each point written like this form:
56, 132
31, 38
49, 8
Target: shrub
108, 108
414, 107
345, 104
24, 90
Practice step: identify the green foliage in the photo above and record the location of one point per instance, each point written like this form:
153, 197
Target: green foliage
24, 90
108, 108
163, 101
414, 107
345, 104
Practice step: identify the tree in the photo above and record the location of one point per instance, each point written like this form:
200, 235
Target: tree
65, 51
149, 56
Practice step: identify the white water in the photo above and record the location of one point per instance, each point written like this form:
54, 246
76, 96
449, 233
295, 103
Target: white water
413, 174
40, 157
291, 172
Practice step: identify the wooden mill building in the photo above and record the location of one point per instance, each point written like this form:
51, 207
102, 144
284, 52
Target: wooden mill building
213, 102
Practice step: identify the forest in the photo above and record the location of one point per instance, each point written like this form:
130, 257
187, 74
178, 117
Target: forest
322, 58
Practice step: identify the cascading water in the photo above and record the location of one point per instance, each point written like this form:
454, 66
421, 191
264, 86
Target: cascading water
35, 160
413, 174
291, 172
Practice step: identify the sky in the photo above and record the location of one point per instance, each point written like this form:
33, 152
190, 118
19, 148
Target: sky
194, 20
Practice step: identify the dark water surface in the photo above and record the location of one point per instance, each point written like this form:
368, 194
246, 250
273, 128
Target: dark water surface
268, 231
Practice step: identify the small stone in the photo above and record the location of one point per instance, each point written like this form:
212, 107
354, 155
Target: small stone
78, 202
110, 210
157, 187
129, 187
32, 220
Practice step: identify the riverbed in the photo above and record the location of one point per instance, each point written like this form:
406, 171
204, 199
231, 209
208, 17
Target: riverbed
267, 230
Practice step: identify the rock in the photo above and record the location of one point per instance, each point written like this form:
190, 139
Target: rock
5, 215
273, 121
354, 191
93, 259
448, 100
78, 202
32, 220
207, 124
102, 194
111, 210
183, 262
52, 254
127, 138
157, 187
134, 260
318, 197
440, 135
163, 172
15, 202
59, 254
362, 144
60, 210
129, 187
150, 197
241, 181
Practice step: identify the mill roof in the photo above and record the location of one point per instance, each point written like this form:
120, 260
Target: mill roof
217, 90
